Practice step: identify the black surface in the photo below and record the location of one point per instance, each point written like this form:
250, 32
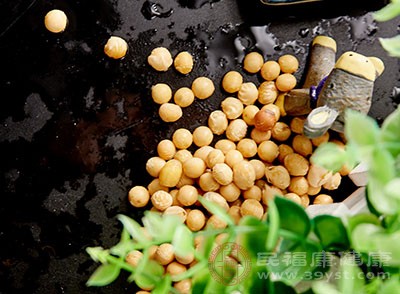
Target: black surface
77, 128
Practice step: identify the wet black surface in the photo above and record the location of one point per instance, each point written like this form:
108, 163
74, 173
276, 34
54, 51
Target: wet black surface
77, 128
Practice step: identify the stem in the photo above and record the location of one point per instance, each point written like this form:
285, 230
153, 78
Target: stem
190, 272
120, 262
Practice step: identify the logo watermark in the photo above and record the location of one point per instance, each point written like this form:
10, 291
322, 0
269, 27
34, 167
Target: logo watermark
229, 264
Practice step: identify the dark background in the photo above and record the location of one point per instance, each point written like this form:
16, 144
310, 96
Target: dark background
77, 128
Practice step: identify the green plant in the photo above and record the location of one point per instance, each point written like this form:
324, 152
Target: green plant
390, 11
288, 252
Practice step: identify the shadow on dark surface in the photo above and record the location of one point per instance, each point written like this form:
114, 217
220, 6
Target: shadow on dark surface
77, 128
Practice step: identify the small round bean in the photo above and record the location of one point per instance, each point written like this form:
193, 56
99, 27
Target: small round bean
202, 136
139, 196
161, 93
183, 62
232, 81
170, 112
184, 97
203, 87
253, 62
160, 59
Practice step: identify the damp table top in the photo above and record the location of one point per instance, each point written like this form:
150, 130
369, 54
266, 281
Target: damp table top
77, 127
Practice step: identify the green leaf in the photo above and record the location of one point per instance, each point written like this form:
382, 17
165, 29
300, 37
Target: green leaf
150, 276
381, 167
273, 220
390, 286
164, 286
217, 210
280, 287
161, 227
104, 275
255, 241
372, 239
200, 281
355, 122
366, 218
98, 254
183, 241
322, 287
331, 231
391, 45
122, 248
330, 156
133, 227
379, 200
392, 189
390, 132
351, 279
388, 12
292, 217
294, 266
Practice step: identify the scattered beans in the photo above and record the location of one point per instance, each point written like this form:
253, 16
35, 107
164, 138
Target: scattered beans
154, 166
182, 138
247, 147
161, 93
207, 183
302, 145
115, 47
217, 122
194, 167
195, 220
270, 70
183, 62
278, 176
244, 175
164, 254
139, 196
187, 195
161, 200
288, 63
264, 120
253, 62
160, 59
296, 164
56, 21
176, 210
166, 149
171, 173
236, 130
281, 131
202, 136
285, 82
203, 87
298, 185
323, 199
134, 257
232, 81
268, 151
222, 173
184, 97
230, 192
252, 207
294, 197
232, 107
248, 93
267, 92
170, 112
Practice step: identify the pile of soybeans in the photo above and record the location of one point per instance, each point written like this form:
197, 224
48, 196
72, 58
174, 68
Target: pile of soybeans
249, 152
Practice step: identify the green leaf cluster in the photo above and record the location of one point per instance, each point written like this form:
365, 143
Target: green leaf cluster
390, 11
